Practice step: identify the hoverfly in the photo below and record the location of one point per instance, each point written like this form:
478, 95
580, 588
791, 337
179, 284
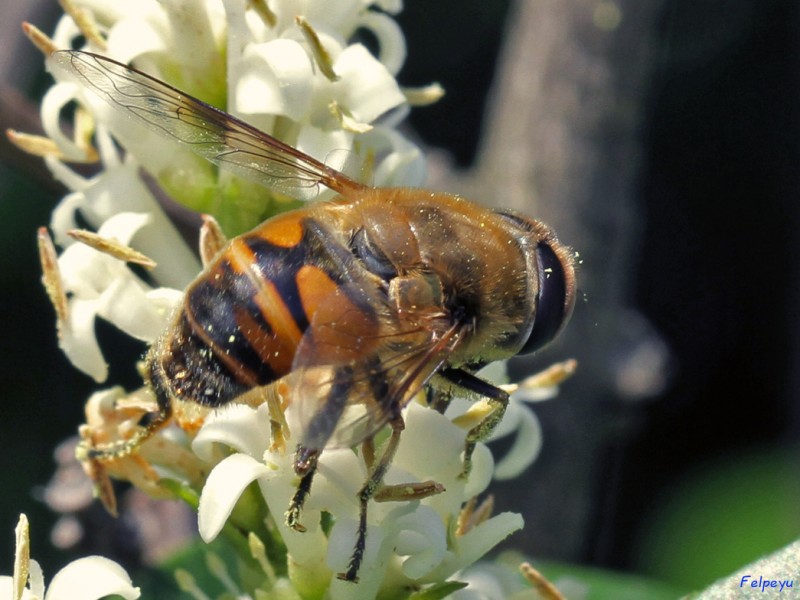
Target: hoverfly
347, 308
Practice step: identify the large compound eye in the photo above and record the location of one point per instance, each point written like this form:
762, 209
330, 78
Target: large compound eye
555, 297
372, 256
554, 301
519, 220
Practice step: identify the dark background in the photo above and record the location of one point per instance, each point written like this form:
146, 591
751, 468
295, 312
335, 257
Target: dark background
715, 274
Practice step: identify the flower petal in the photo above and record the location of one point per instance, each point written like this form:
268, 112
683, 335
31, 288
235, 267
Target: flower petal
239, 427
78, 342
124, 225
63, 216
126, 305
132, 37
90, 578
482, 468
326, 146
6, 587
365, 88
404, 163
277, 79
477, 542
340, 474
527, 445
224, 485
56, 98
391, 42
36, 579
423, 540
307, 549
414, 455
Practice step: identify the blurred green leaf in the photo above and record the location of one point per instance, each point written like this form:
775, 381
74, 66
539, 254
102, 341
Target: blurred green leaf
723, 516
438, 591
782, 566
599, 584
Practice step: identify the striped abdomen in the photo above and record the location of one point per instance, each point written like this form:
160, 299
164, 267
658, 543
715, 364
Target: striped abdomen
243, 318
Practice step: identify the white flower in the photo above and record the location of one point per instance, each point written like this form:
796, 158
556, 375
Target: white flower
87, 578
119, 188
290, 69
406, 541
102, 286
118, 204
291, 72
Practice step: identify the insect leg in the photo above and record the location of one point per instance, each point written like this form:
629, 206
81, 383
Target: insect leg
98, 457
88, 451
150, 422
367, 491
477, 387
305, 465
373, 488
318, 433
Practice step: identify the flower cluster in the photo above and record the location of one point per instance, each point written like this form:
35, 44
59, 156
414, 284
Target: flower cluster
409, 544
291, 69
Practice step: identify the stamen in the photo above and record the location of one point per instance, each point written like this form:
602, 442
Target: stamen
84, 130
188, 584
87, 24
552, 375
475, 414
37, 145
463, 516
259, 552
423, 96
22, 556
95, 471
545, 589
51, 277
263, 11
111, 247
347, 122
40, 39
212, 239
474, 514
321, 55
217, 567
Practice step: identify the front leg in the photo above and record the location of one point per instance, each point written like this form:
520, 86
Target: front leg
475, 387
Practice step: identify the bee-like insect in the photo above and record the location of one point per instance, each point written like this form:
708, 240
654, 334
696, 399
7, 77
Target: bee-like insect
347, 308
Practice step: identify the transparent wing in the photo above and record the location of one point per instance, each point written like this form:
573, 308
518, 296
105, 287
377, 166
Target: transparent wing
354, 370
213, 134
